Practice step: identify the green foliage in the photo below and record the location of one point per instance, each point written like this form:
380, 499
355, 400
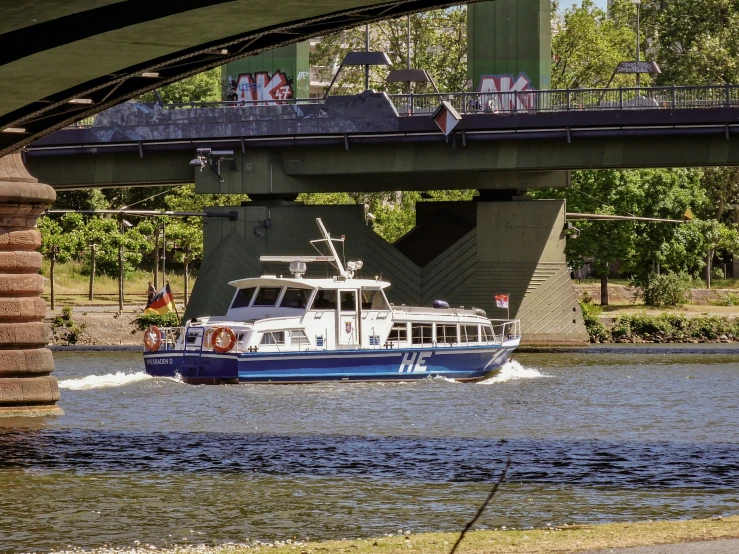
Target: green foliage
144, 321
588, 46
596, 330
728, 299
695, 42
659, 193
438, 45
65, 328
203, 87
674, 328
666, 289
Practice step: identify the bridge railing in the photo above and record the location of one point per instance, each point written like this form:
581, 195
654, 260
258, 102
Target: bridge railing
571, 100
523, 101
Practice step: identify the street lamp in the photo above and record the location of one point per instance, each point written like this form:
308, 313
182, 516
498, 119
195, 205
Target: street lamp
638, 5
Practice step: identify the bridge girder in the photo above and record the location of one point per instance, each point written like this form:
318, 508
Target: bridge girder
385, 166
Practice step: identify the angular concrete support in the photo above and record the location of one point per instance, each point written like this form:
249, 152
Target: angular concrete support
462, 252
520, 249
26, 386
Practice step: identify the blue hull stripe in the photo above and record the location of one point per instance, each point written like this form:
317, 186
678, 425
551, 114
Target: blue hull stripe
463, 363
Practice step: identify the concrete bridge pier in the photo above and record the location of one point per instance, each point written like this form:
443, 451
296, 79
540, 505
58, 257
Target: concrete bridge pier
462, 252
26, 385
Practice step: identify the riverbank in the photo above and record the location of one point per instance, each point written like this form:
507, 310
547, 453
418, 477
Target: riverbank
553, 540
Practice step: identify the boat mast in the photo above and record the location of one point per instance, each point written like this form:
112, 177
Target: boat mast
329, 241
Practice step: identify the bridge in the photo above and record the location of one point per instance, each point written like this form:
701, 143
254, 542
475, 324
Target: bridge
149, 144
63, 62
505, 142
465, 252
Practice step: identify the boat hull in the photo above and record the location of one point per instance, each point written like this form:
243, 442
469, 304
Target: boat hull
459, 363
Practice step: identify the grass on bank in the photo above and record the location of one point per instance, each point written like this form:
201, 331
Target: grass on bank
575, 538
71, 286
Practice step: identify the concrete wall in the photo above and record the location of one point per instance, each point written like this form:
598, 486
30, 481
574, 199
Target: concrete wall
516, 248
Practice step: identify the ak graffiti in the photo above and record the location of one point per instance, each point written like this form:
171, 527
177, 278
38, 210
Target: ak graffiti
503, 84
261, 87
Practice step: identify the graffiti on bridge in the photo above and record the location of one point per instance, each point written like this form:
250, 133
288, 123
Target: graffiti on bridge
509, 93
261, 87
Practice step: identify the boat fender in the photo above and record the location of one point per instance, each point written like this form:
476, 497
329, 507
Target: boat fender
152, 339
441, 304
224, 339
480, 311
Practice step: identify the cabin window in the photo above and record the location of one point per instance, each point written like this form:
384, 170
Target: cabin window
446, 334
267, 296
273, 337
471, 333
298, 337
374, 300
325, 300
243, 297
487, 331
348, 301
421, 333
399, 333
295, 298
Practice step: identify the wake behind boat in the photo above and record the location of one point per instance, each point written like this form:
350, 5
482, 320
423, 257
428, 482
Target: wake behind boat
300, 330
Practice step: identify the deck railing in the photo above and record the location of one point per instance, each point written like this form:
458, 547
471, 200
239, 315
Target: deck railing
523, 101
533, 101
506, 329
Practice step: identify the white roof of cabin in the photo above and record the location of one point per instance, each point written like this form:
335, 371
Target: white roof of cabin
308, 283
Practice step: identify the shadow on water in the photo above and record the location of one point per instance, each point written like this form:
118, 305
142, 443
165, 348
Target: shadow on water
588, 462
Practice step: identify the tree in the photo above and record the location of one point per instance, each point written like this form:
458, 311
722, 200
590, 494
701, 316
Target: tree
438, 45
658, 193
695, 42
203, 87
186, 237
587, 45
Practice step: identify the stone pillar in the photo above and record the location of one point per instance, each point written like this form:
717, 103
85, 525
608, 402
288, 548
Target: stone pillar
26, 386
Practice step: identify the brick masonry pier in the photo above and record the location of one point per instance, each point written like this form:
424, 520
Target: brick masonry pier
27, 387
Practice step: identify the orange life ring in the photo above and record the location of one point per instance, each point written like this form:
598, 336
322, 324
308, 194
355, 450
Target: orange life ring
152, 339
224, 339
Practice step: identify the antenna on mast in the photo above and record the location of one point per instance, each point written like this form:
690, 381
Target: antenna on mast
329, 241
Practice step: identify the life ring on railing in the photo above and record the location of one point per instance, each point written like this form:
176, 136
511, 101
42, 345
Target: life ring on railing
224, 339
152, 339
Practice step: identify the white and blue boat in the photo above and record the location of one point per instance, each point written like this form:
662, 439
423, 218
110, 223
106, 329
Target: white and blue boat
282, 329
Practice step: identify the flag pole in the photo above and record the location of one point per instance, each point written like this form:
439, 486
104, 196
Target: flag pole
507, 306
174, 303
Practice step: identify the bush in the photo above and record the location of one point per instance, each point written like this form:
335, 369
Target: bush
65, 328
594, 326
144, 321
728, 299
666, 289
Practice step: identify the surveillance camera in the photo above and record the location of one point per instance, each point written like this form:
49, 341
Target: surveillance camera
371, 216
198, 162
127, 224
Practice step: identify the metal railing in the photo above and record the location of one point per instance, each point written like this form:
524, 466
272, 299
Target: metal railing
506, 329
524, 101
534, 101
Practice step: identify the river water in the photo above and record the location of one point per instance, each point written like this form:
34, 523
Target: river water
592, 437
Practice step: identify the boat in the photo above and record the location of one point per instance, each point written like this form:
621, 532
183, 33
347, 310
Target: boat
294, 329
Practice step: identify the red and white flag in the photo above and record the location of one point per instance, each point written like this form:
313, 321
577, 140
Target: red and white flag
501, 300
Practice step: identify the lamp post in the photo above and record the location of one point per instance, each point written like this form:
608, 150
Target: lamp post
638, 55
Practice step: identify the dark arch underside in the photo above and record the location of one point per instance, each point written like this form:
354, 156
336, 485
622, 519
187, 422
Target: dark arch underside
54, 51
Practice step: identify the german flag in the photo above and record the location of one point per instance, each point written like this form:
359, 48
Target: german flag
162, 303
